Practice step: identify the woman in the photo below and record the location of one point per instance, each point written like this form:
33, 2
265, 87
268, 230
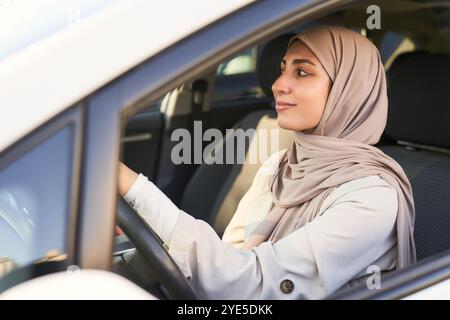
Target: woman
334, 205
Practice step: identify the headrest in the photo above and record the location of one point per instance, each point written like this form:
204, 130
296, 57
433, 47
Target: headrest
419, 100
269, 61
399, 60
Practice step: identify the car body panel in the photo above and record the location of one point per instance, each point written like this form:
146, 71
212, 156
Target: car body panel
76, 284
72, 63
438, 291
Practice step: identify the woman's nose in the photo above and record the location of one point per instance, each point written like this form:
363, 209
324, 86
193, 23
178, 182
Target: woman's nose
280, 86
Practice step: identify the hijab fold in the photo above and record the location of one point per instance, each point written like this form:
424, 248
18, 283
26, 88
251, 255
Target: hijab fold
340, 148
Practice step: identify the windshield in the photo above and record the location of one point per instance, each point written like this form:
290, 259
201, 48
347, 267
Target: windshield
26, 22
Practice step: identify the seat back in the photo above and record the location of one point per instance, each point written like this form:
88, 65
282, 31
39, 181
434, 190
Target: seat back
418, 119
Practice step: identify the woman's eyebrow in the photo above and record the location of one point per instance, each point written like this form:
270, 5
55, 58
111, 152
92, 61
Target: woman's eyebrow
298, 61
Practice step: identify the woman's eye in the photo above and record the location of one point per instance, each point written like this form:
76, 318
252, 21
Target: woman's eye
302, 73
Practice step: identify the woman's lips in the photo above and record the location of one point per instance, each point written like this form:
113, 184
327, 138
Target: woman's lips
281, 105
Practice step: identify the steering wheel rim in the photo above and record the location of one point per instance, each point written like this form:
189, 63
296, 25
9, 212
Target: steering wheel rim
154, 253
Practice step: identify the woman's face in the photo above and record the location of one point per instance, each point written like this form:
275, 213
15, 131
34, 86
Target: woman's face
302, 89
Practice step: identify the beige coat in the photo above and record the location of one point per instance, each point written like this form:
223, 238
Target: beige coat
353, 235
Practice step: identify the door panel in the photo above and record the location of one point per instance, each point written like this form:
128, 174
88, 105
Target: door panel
142, 141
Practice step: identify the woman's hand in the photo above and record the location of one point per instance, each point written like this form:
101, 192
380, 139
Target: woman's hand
126, 179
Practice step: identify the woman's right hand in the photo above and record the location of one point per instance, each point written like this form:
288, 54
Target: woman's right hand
126, 179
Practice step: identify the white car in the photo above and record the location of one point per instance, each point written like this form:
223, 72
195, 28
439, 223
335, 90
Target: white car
86, 83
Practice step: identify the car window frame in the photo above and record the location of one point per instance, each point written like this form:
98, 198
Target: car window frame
403, 283
34, 139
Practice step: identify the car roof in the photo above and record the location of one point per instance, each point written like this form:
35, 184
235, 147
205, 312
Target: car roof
52, 63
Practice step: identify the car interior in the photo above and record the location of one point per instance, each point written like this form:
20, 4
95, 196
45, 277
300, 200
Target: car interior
415, 47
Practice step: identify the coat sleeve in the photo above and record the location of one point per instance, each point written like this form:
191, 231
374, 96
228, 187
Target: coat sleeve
154, 206
316, 259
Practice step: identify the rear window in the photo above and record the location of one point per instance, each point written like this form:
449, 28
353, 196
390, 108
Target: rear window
244, 62
394, 44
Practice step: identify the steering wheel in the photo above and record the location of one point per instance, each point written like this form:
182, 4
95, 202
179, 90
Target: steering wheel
154, 253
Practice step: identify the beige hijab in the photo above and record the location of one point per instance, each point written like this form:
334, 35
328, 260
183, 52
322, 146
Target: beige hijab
340, 148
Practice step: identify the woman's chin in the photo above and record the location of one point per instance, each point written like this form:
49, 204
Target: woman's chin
286, 122
293, 122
